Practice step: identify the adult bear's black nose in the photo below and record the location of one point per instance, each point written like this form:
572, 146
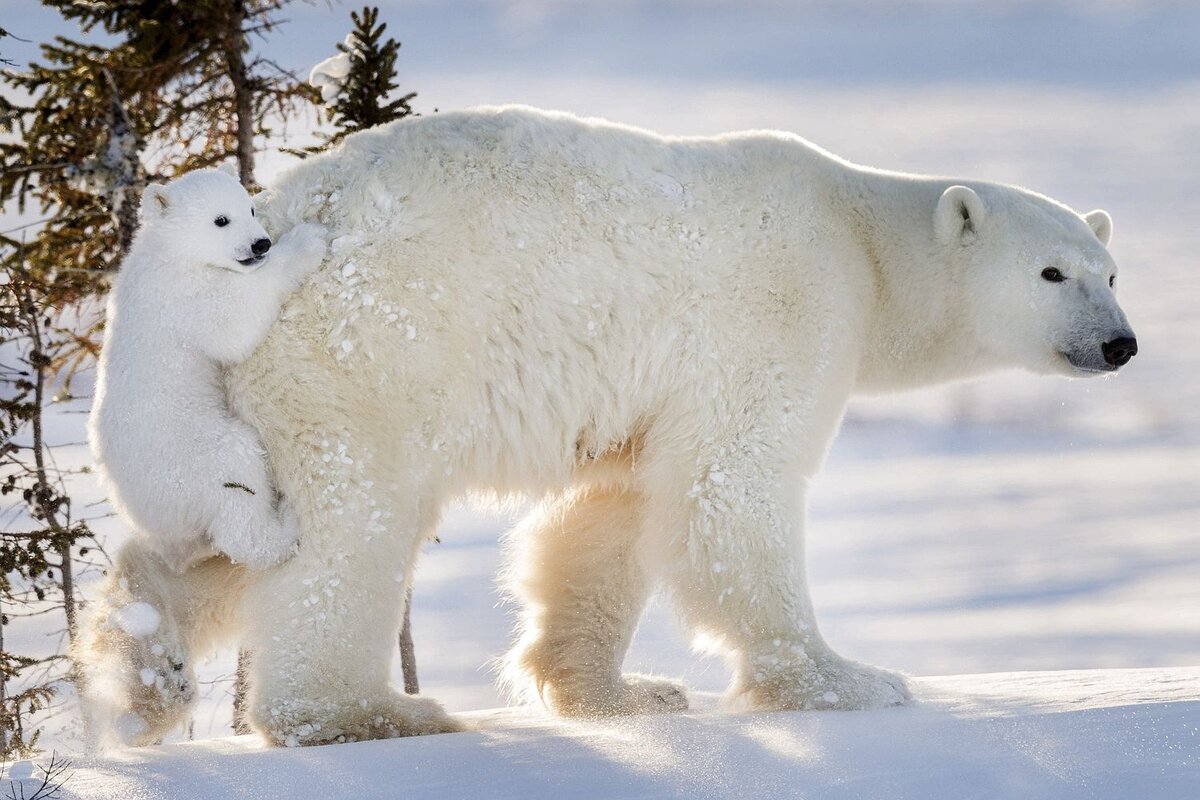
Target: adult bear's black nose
261, 246
1119, 351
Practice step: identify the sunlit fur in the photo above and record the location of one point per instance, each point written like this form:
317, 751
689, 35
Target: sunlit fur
183, 470
659, 336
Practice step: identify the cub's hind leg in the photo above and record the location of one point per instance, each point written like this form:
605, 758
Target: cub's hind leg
142, 635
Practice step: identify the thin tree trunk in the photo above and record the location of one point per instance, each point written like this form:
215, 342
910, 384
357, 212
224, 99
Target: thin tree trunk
67, 568
39, 363
4, 724
243, 93
240, 686
408, 656
129, 177
243, 101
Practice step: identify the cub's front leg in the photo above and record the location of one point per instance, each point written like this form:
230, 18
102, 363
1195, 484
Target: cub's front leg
299, 252
244, 307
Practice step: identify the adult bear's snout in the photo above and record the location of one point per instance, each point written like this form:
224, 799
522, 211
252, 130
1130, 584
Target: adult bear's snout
261, 246
1119, 350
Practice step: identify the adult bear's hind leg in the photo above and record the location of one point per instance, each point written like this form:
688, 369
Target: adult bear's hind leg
576, 571
322, 627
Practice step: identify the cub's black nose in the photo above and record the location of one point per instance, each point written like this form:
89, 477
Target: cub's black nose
1119, 351
261, 246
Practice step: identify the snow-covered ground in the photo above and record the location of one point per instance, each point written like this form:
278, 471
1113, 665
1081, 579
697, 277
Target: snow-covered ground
1016, 523
1099, 735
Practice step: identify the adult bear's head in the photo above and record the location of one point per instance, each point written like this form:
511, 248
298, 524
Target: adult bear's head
1039, 278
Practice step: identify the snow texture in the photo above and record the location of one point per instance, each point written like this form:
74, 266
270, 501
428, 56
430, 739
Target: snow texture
20, 771
1100, 735
137, 619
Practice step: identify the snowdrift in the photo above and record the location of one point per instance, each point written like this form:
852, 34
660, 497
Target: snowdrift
1030, 735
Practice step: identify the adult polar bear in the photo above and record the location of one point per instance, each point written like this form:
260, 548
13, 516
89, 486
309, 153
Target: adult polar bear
661, 335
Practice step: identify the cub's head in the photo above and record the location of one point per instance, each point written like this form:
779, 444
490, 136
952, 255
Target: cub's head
1040, 283
208, 217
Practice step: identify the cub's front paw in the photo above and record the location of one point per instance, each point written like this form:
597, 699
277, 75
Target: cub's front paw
308, 243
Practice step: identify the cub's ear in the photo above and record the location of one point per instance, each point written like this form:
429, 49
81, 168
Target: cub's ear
155, 202
1101, 225
229, 168
959, 215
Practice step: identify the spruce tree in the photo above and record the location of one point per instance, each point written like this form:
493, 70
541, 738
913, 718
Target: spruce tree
74, 163
40, 544
216, 94
356, 84
363, 102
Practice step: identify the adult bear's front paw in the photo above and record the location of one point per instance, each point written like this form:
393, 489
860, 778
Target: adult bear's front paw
299, 723
826, 682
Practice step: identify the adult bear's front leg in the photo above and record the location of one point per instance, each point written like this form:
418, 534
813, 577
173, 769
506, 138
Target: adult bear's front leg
731, 516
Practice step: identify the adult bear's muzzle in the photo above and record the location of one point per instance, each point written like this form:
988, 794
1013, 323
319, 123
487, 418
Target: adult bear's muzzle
1118, 351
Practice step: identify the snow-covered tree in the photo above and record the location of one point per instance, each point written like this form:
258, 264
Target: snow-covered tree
355, 84
42, 542
75, 161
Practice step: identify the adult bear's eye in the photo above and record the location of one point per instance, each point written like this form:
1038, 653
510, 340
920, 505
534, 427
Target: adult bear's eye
221, 221
1053, 275
1112, 281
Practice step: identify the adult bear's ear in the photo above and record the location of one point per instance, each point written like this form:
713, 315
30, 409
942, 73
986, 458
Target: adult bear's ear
229, 168
959, 215
1101, 225
154, 202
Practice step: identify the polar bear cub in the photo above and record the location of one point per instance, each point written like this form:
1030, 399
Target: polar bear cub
196, 293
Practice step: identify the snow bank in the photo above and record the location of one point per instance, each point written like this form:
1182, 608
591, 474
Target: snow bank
1054, 735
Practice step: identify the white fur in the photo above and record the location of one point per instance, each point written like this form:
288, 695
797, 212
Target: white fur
661, 334
186, 306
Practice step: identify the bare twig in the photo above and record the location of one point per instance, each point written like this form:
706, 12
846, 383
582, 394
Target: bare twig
54, 776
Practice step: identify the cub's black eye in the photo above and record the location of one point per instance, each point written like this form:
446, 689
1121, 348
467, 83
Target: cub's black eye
221, 221
252, 212
1112, 280
1053, 275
